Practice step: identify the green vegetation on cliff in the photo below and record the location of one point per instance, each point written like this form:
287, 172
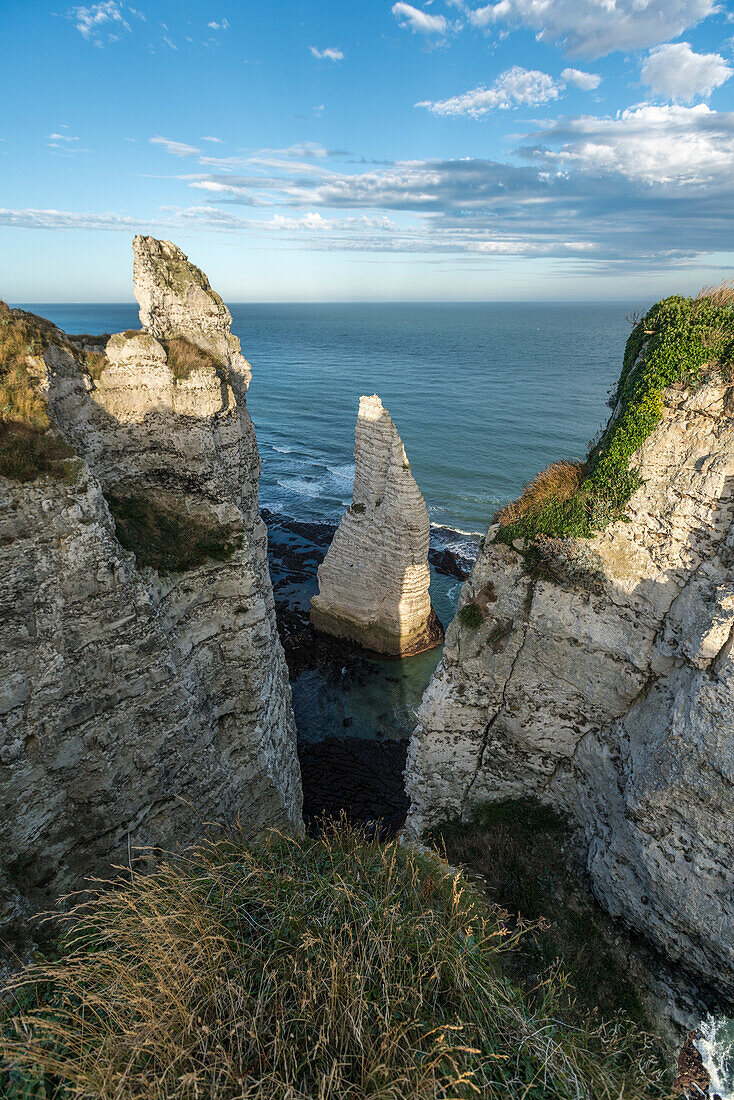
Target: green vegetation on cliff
531, 866
335, 968
678, 342
165, 536
28, 447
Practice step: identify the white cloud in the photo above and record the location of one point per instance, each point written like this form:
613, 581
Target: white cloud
329, 54
61, 137
676, 72
100, 23
417, 20
176, 148
689, 147
222, 25
214, 140
593, 28
586, 81
511, 89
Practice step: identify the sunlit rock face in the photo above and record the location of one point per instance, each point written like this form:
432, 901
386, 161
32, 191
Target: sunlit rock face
139, 703
615, 704
373, 583
176, 299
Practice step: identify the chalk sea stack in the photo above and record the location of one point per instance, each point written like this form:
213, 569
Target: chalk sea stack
374, 581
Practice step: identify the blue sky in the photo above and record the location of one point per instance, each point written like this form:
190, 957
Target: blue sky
342, 150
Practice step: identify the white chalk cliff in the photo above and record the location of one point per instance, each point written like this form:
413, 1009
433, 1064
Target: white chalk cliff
137, 703
613, 701
373, 583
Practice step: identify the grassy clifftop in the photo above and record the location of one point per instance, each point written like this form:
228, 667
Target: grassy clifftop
680, 341
337, 968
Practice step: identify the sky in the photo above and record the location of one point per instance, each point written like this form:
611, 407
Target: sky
368, 149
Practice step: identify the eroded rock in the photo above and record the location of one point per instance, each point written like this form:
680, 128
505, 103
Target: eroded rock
373, 583
136, 704
613, 702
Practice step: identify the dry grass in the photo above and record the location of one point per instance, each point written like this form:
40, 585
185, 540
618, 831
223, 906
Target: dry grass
335, 968
557, 483
20, 399
27, 447
185, 357
721, 295
94, 363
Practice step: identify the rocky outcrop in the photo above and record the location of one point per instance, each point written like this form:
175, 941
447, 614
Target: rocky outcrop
138, 704
607, 690
175, 299
373, 583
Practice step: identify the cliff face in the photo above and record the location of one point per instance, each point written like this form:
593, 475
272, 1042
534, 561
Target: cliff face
143, 690
373, 583
603, 684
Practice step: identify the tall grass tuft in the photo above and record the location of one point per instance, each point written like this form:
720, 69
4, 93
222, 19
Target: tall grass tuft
184, 357
333, 968
555, 484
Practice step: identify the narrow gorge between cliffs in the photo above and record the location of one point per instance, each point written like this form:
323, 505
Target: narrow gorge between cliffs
355, 712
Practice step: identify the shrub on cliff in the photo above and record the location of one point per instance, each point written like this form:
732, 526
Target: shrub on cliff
680, 341
28, 448
166, 537
314, 969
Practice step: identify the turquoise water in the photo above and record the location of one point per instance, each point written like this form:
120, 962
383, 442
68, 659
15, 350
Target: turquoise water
483, 395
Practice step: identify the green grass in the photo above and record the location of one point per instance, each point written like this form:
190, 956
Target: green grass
687, 338
332, 968
167, 538
531, 868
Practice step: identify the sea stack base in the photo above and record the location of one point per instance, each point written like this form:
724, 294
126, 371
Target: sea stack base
374, 637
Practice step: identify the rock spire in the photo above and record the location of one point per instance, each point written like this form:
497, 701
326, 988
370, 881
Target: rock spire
175, 299
373, 583
143, 687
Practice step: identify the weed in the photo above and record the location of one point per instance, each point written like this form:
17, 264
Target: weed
167, 538
471, 615
28, 448
317, 969
94, 363
27, 453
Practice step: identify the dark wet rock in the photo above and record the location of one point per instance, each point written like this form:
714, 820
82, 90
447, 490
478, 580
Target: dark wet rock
450, 564
355, 776
693, 1078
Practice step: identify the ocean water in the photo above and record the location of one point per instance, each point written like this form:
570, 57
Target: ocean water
483, 395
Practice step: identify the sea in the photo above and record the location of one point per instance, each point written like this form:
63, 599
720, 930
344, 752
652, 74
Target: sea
483, 394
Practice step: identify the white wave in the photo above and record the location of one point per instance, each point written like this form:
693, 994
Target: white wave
282, 450
342, 473
457, 530
717, 1051
301, 486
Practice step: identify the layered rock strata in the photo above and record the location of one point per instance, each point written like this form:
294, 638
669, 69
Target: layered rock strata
373, 583
612, 698
139, 704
